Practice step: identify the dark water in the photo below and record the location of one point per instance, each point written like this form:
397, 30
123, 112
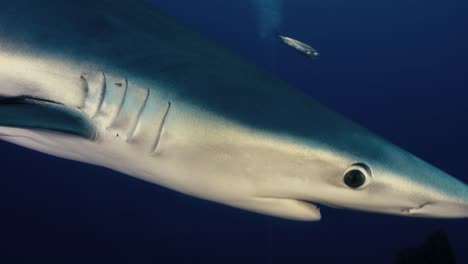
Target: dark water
399, 68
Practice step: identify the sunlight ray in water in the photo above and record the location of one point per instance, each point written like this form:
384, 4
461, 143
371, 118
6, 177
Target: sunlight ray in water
269, 14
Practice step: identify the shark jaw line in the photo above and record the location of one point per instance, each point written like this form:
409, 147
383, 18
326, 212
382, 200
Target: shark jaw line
288, 208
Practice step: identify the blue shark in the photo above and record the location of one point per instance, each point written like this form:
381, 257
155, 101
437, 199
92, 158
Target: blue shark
121, 85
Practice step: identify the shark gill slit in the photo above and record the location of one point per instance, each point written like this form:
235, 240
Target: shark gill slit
154, 147
121, 103
102, 94
132, 129
84, 85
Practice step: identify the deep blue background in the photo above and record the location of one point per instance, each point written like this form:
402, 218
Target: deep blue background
398, 67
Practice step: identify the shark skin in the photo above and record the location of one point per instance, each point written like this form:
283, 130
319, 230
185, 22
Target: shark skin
137, 92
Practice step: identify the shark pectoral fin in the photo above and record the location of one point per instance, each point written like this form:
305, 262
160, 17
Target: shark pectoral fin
33, 114
285, 208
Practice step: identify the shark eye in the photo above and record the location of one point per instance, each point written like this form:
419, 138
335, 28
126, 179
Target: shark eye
357, 176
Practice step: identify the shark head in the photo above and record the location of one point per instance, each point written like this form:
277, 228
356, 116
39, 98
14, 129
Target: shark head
364, 172
394, 182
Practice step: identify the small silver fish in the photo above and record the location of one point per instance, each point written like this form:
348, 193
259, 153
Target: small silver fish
300, 47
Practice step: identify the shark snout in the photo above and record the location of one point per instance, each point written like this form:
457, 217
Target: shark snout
439, 210
430, 191
448, 198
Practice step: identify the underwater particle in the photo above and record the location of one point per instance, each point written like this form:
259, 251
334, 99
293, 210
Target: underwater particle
300, 47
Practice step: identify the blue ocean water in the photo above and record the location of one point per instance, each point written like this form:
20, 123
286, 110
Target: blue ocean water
399, 68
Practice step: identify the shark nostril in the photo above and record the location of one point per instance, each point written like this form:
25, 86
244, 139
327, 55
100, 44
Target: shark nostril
417, 209
424, 205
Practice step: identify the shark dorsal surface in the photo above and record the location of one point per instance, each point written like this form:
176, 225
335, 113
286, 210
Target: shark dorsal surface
121, 85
